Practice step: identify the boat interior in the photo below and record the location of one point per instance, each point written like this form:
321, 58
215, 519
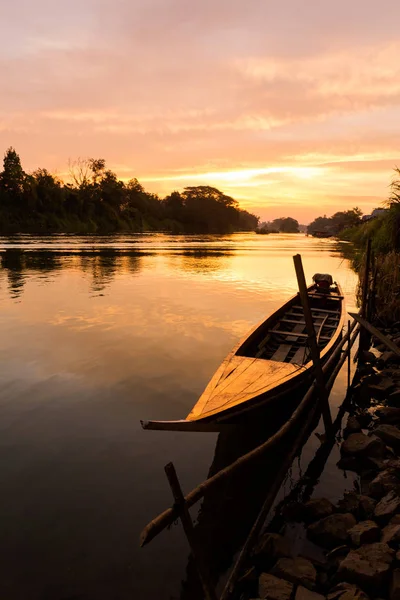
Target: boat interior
286, 339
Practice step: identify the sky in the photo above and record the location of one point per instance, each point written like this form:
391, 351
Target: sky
291, 107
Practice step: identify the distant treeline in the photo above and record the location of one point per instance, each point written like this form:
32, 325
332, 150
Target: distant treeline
97, 201
382, 227
281, 225
337, 223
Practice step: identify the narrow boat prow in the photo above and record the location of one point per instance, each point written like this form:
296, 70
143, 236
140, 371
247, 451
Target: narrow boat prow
272, 361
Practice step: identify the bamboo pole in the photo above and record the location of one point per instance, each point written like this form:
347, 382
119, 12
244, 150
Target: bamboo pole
167, 517
348, 357
315, 355
364, 298
381, 336
189, 531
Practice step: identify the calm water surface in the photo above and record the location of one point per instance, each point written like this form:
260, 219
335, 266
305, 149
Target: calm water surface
95, 334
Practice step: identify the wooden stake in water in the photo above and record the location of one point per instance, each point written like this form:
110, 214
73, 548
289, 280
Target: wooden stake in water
364, 336
348, 356
189, 531
319, 375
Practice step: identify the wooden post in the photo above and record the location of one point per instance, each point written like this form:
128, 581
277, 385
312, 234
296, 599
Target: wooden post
348, 356
364, 336
189, 531
319, 375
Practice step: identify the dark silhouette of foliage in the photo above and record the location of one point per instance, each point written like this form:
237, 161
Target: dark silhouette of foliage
337, 223
97, 201
286, 225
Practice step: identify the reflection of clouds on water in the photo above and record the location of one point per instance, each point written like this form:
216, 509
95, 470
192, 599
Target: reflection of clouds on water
109, 331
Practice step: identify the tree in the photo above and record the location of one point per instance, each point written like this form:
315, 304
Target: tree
12, 177
286, 225
345, 219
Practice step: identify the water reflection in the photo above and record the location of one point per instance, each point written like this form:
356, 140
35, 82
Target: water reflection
97, 333
102, 264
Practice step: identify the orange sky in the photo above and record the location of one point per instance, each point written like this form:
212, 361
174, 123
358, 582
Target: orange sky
293, 107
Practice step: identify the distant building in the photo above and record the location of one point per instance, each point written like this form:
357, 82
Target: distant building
377, 212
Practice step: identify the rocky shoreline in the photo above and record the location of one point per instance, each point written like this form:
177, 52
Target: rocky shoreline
351, 549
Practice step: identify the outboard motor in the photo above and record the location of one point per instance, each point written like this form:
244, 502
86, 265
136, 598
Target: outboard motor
323, 281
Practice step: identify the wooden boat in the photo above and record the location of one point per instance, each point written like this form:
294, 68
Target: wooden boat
268, 365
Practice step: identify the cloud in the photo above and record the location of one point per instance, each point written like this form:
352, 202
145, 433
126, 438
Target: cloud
175, 93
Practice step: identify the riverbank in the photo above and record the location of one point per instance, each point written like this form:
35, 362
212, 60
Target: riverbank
351, 548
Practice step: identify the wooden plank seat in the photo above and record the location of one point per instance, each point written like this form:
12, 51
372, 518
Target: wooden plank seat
291, 333
327, 296
303, 323
282, 352
321, 310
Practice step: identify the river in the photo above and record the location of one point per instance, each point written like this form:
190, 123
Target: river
97, 333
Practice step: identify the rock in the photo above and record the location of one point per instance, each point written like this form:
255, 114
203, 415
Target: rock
273, 588
362, 507
361, 393
381, 390
303, 593
368, 566
394, 398
398, 556
297, 570
365, 532
317, 508
360, 445
339, 551
273, 546
389, 358
389, 434
387, 507
368, 357
346, 591
367, 507
383, 483
331, 531
394, 593
391, 534
388, 414
364, 418
335, 556
393, 464
352, 426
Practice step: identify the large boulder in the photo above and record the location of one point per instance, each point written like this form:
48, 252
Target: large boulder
387, 507
368, 566
273, 588
381, 390
362, 507
303, 593
331, 531
394, 398
366, 532
346, 591
391, 534
298, 570
383, 483
394, 593
272, 546
388, 414
389, 434
360, 445
352, 426
317, 508
389, 358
